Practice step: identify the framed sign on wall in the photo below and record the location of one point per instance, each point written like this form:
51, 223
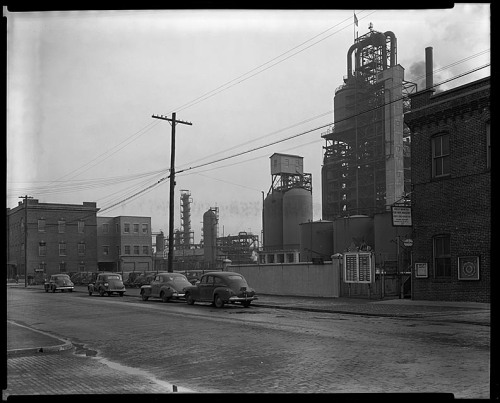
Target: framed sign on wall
421, 270
468, 268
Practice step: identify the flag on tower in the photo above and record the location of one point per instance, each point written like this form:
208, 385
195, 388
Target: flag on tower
355, 19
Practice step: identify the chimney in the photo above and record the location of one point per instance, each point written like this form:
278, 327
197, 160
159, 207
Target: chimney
428, 68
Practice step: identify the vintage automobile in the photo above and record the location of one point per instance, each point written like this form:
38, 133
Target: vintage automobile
166, 286
107, 283
58, 282
219, 288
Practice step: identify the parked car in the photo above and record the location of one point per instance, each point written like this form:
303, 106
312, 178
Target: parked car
144, 278
219, 288
166, 286
107, 283
58, 282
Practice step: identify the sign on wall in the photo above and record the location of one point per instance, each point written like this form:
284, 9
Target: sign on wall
468, 268
359, 267
421, 270
401, 216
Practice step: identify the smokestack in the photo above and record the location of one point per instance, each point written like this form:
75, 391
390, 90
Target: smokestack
428, 68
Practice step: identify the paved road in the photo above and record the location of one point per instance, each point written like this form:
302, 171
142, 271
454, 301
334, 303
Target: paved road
147, 347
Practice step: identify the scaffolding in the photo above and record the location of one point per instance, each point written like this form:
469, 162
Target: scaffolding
366, 156
185, 237
240, 249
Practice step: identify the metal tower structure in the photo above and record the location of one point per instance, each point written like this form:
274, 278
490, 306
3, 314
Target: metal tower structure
366, 156
186, 236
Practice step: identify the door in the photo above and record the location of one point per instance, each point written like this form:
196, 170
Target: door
206, 287
155, 285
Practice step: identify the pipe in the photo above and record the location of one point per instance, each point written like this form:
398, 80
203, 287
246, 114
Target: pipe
429, 82
393, 61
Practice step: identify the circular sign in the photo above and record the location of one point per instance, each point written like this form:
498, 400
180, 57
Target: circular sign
408, 242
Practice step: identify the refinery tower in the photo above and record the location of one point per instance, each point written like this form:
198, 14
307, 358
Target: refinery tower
366, 156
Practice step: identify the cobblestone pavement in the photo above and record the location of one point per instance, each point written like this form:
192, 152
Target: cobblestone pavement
78, 372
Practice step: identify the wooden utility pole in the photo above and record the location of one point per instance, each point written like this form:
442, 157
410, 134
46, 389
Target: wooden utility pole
26, 197
172, 186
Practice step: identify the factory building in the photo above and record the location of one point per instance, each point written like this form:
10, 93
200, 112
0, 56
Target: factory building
366, 160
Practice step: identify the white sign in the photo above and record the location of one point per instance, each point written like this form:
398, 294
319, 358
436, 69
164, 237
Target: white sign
408, 242
401, 216
421, 270
359, 267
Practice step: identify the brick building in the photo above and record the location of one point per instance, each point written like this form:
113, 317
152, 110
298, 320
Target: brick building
124, 243
61, 238
451, 193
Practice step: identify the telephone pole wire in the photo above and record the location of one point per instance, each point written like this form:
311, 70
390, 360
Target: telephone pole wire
172, 186
26, 197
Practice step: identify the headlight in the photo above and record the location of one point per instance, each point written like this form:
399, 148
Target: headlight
106, 284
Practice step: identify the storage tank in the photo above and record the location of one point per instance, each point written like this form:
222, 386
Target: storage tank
273, 221
210, 237
297, 209
357, 230
316, 240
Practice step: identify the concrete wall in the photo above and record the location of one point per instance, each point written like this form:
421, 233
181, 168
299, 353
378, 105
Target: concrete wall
300, 279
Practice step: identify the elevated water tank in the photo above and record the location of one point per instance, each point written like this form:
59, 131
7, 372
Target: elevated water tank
273, 221
210, 237
297, 209
316, 240
356, 230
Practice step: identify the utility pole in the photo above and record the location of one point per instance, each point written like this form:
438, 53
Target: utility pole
26, 197
172, 186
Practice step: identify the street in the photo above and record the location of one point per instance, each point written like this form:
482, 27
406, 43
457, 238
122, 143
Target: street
257, 349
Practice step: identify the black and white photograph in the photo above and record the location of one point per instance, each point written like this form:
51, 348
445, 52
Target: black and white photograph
248, 201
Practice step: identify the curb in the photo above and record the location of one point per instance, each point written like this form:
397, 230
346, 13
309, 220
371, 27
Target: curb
66, 345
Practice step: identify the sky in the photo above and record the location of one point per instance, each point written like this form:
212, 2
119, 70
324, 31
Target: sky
83, 86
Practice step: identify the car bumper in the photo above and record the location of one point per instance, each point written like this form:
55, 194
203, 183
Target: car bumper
65, 287
240, 299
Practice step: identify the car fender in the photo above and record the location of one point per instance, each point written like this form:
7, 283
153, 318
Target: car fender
222, 292
193, 290
167, 290
146, 289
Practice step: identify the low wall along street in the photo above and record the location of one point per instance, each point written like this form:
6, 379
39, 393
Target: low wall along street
310, 280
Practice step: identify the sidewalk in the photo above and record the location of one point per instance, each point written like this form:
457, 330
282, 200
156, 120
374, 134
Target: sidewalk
23, 340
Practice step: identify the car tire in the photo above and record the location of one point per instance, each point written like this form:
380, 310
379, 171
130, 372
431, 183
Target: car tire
53, 289
101, 292
246, 304
144, 296
218, 302
121, 294
90, 291
71, 290
46, 289
189, 299
164, 297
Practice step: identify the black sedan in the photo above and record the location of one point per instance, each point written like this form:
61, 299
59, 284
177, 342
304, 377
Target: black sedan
59, 282
219, 288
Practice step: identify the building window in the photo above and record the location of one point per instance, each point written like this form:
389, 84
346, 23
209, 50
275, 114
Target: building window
136, 249
105, 228
62, 267
136, 228
488, 146
105, 250
41, 225
145, 229
42, 248
127, 249
61, 225
81, 248
42, 266
126, 228
145, 250
441, 155
81, 266
81, 226
62, 248
442, 256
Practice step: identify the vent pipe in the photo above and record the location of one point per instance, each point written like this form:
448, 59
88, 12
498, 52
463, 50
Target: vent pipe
428, 68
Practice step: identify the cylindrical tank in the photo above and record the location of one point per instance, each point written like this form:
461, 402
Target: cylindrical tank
160, 242
273, 221
210, 237
297, 209
316, 240
353, 231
